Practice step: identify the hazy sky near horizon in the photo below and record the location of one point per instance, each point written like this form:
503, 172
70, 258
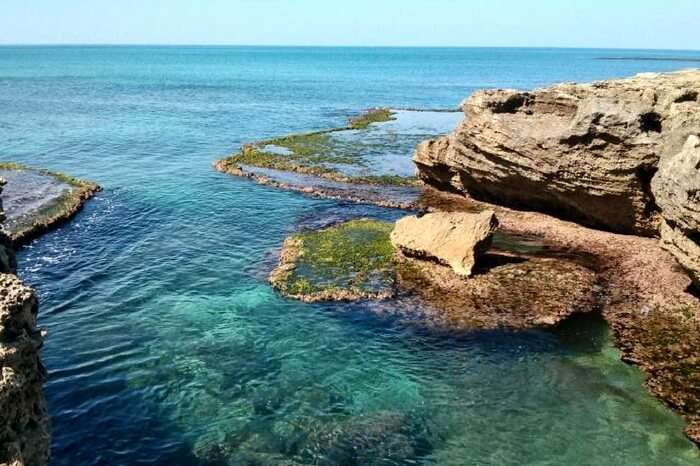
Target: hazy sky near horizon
673, 24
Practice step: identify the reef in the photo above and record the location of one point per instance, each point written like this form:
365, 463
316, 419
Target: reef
363, 162
24, 424
37, 200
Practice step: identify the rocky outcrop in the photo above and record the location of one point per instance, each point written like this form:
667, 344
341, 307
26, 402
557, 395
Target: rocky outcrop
637, 285
455, 239
584, 152
8, 262
676, 188
24, 430
24, 424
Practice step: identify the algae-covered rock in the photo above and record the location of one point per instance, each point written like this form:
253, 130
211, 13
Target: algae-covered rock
456, 239
666, 343
367, 161
513, 292
37, 200
349, 261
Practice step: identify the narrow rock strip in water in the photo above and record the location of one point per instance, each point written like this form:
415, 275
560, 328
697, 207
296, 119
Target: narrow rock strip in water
368, 161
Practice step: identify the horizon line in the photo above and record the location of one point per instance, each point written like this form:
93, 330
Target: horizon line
155, 44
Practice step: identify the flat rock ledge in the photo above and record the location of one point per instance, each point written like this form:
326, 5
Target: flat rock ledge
46, 214
642, 292
326, 187
24, 425
350, 261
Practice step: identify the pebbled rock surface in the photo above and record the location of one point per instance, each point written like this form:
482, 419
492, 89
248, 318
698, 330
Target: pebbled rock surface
583, 152
456, 239
24, 426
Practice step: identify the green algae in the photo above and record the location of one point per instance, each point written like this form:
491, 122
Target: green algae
352, 260
58, 176
317, 153
377, 115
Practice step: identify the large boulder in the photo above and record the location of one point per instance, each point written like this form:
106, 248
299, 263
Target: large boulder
455, 239
585, 152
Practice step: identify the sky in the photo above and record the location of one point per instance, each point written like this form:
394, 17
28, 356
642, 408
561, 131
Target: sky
658, 24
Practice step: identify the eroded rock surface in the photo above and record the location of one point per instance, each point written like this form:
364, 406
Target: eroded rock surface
512, 291
642, 293
456, 239
676, 188
24, 424
24, 430
585, 152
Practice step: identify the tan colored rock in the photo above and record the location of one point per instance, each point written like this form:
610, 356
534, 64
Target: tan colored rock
24, 429
455, 239
676, 188
585, 152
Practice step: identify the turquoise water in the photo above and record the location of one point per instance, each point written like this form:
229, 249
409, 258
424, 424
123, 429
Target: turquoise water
166, 344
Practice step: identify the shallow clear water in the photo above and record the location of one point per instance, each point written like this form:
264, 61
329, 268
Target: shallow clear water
167, 346
386, 148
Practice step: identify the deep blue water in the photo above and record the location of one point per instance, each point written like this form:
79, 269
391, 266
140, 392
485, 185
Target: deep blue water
166, 344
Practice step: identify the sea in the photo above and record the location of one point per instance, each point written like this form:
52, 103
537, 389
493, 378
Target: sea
166, 344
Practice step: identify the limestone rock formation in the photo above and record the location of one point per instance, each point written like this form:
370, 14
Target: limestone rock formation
620, 155
24, 430
676, 188
585, 152
455, 239
24, 422
7, 253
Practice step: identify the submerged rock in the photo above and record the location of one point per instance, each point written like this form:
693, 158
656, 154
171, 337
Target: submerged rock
367, 161
638, 286
586, 152
514, 292
345, 262
455, 239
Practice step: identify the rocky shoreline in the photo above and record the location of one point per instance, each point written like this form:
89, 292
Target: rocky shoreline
38, 201
619, 156
24, 425
639, 289
606, 176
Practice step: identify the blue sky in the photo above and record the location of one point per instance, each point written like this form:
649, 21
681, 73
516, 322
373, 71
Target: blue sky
671, 24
